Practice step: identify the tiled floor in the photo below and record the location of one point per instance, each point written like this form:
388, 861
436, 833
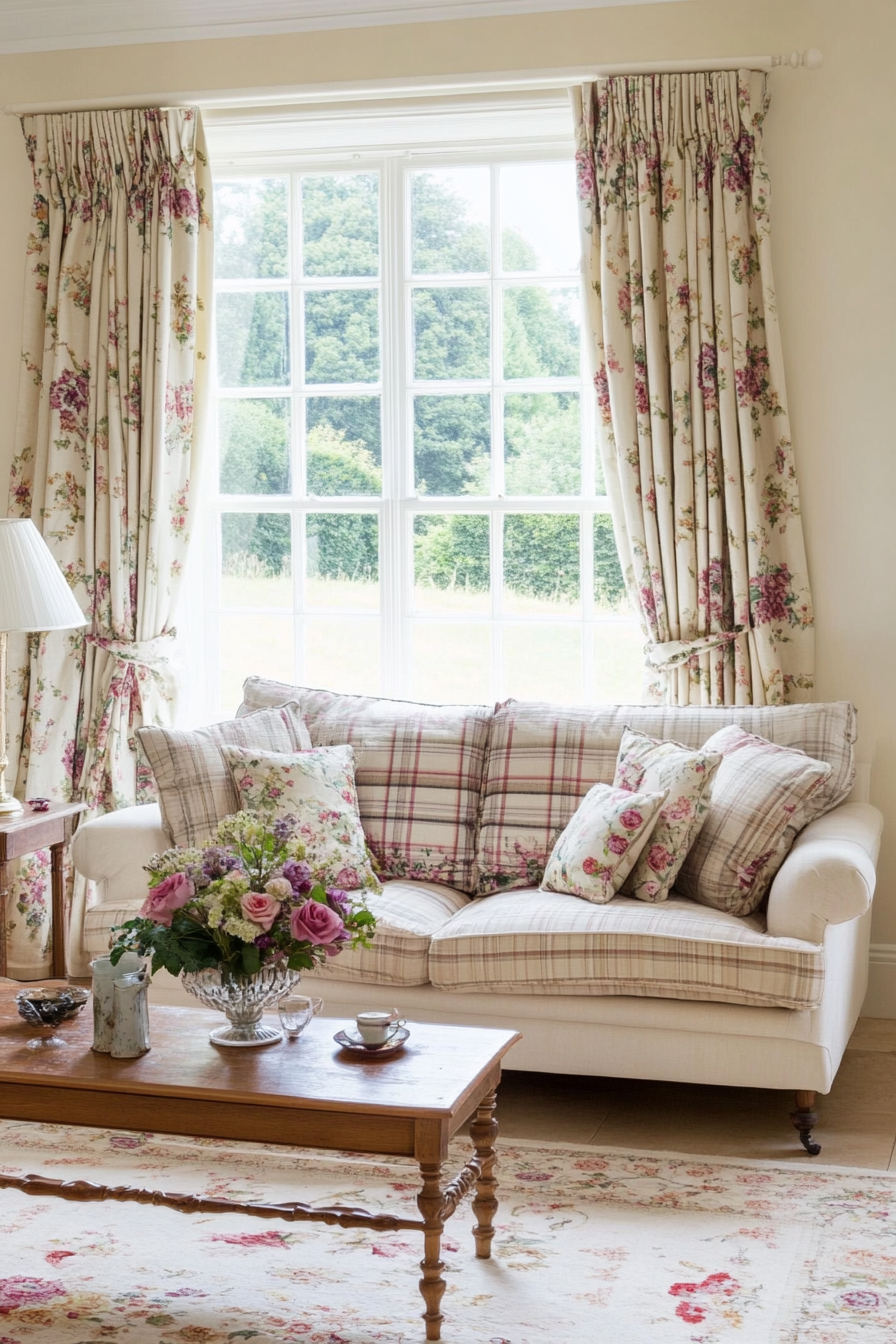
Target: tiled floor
857, 1119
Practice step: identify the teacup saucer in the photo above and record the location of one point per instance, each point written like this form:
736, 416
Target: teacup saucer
357, 1046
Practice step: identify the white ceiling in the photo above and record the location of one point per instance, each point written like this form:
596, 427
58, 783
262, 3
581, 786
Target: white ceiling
52, 25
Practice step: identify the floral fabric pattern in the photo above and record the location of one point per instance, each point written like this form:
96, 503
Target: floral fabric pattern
600, 846
763, 795
686, 778
113, 368
636, 1247
269, 780
689, 380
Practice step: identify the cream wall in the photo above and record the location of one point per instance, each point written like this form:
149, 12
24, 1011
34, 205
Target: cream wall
834, 208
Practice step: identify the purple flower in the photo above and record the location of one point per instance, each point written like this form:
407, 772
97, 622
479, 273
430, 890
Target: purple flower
340, 901
217, 862
298, 874
264, 941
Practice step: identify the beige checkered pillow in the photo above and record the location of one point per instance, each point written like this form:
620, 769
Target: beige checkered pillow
196, 788
762, 796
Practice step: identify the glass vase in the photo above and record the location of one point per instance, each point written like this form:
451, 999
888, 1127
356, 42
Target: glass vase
242, 1000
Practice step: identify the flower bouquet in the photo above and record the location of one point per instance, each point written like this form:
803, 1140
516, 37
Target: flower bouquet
241, 918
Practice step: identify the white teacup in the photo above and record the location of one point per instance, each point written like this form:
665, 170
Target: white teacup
376, 1027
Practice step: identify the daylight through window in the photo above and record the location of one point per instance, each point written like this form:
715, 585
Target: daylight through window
408, 497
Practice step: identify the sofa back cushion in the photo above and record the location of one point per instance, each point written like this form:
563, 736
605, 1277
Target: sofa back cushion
543, 759
418, 770
196, 788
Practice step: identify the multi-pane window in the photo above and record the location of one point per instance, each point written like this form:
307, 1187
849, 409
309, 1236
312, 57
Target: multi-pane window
409, 499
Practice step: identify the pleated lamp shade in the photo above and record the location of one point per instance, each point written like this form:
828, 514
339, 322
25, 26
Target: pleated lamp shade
33, 592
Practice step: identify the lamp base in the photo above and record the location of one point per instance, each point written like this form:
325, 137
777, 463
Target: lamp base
9, 806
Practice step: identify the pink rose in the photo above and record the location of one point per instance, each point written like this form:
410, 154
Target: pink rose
617, 844
260, 908
316, 923
589, 866
245, 783
631, 819
162, 901
658, 858
347, 879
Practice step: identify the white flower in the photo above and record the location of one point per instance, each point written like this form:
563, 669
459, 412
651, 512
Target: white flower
279, 888
242, 928
235, 883
215, 907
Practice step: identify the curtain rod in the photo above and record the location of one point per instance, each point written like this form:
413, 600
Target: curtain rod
428, 86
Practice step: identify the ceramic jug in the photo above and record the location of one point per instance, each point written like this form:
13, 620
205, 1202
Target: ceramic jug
130, 1011
104, 978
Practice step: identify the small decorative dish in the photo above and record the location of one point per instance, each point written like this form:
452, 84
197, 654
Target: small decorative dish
356, 1046
48, 1008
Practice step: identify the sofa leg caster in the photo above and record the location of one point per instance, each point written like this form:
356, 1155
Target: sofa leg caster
804, 1119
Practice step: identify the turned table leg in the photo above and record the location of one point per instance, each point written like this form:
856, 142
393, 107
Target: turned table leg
483, 1132
804, 1119
5, 869
57, 927
432, 1285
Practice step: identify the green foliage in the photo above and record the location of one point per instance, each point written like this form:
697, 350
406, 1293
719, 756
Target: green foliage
542, 443
452, 551
252, 229
253, 339
541, 555
451, 332
358, 418
265, 537
444, 240
343, 546
254, 438
609, 585
340, 467
340, 217
451, 444
342, 336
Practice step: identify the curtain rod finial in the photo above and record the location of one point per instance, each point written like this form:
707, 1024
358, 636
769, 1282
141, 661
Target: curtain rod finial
809, 60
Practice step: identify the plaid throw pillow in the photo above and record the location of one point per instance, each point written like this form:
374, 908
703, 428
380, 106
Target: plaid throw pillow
196, 789
418, 770
762, 797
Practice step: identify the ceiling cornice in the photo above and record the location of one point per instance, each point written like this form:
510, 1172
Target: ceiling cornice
61, 25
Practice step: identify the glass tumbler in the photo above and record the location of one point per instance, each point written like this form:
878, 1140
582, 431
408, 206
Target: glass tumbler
296, 1011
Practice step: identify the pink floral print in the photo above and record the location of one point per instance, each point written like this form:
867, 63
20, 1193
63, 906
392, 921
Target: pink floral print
599, 847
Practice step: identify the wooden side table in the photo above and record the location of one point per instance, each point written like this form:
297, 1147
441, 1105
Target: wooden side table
22, 834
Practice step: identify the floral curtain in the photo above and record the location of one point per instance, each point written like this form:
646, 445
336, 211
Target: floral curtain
107, 436
689, 377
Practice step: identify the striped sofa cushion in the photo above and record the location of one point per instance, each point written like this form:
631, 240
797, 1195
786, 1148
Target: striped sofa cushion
408, 914
418, 770
196, 788
539, 942
543, 759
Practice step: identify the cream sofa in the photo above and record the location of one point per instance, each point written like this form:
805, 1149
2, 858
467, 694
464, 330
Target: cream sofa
676, 991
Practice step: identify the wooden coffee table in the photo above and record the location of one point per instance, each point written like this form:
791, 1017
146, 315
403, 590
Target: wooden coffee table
309, 1093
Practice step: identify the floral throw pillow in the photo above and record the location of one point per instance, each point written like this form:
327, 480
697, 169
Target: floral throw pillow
318, 788
762, 796
648, 765
272, 780
600, 846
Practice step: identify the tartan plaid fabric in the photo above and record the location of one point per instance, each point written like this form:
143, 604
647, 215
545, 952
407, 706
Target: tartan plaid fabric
196, 788
408, 914
543, 759
418, 770
538, 942
763, 795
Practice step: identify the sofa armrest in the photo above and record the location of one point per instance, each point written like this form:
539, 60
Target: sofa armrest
829, 875
113, 849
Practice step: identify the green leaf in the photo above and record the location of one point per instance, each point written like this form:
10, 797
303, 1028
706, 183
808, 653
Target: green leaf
251, 959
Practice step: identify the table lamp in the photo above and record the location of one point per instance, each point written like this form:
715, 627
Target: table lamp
33, 596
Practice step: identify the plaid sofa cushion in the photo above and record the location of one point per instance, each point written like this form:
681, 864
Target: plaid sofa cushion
543, 759
538, 942
407, 914
196, 788
418, 770
762, 796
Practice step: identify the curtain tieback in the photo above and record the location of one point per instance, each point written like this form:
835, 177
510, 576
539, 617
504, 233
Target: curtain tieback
153, 654
676, 652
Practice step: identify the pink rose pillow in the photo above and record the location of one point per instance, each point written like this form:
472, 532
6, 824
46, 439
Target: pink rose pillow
600, 846
646, 764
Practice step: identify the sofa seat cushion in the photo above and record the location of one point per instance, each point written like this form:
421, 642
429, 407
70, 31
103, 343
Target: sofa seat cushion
418, 770
543, 759
538, 942
408, 914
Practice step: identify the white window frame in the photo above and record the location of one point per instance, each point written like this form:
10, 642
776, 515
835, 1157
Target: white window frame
399, 503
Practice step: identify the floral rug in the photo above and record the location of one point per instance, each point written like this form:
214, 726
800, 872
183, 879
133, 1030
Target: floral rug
592, 1244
